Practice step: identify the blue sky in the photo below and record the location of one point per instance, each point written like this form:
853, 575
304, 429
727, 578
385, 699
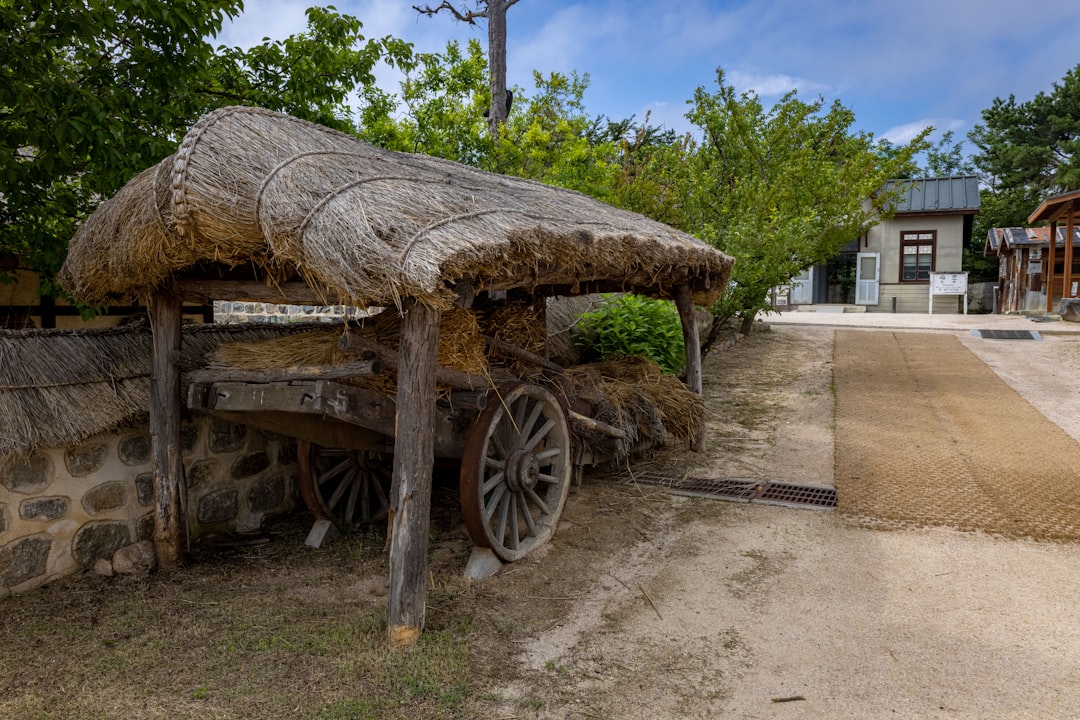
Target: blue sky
899, 65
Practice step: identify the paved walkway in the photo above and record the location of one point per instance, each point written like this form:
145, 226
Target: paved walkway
927, 434
921, 321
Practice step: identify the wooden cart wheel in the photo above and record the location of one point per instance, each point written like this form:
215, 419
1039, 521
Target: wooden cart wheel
516, 471
345, 487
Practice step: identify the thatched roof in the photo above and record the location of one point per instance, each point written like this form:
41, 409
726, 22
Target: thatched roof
254, 187
60, 387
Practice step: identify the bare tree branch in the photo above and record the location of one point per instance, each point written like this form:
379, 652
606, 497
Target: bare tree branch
466, 16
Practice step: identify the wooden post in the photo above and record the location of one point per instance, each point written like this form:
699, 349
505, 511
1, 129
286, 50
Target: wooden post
684, 302
1066, 281
414, 450
170, 521
1051, 253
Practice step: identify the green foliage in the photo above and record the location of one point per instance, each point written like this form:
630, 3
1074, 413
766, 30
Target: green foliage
634, 325
783, 188
93, 92
1034, 143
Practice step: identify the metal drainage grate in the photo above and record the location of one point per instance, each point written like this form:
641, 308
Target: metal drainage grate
743, 490
796, 495
1008, 334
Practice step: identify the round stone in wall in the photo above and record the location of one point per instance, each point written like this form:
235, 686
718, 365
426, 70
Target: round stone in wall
106, 496
250, 464
226, 436
134, 449
27, 475
144, 528
99, 540
219, 506
144, 488
266, 494
44, 508
201, 473
24, 559
82, 460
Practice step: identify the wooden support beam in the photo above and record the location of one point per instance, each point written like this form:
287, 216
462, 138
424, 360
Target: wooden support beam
684, 302
369, 366
170, 520
288, 293
1066, 290
410, 496
1051, 253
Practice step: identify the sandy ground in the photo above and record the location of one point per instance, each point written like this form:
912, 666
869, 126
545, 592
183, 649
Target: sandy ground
747, 611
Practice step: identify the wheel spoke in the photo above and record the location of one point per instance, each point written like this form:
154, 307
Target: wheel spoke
520, 406
332, 472
526, 429
514, 534
529, 522
504, 507
540, 435
549, 479
345, 483
370, 481
549, 453
497, 441
539, 503
492, 482
493, 502
350, 506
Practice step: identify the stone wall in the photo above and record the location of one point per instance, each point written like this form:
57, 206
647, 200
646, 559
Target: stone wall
65, 509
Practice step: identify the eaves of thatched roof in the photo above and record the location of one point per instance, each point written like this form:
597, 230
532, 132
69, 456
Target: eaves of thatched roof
61, 387
366, 225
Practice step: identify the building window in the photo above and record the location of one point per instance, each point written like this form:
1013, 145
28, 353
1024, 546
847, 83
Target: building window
917, 255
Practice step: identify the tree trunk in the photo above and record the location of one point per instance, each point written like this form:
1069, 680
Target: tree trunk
496, 17
414, 452
747, 324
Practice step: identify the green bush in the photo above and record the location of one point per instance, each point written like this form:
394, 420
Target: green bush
633, 325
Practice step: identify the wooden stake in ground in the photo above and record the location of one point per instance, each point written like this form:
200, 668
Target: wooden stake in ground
410, 496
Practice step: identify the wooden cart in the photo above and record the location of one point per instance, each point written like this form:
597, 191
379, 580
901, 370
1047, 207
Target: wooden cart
515, 442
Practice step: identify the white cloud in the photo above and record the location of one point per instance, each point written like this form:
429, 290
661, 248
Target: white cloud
907, 132
775, 85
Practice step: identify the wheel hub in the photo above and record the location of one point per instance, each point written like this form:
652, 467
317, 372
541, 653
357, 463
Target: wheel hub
522, 470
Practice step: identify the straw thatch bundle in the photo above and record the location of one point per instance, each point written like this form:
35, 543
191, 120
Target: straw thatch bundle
60, 387
632, 394
460, 348
372, 226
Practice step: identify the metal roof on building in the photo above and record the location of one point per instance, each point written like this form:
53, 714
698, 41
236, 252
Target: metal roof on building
1018, 237
955, 195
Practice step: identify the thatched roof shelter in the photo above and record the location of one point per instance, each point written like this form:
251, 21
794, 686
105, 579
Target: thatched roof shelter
280, 198
61, 387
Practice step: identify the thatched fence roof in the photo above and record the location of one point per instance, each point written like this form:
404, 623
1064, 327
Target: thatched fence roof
367, 225
61, 387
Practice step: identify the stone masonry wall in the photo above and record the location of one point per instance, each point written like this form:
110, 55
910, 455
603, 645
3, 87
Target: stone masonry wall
64, 509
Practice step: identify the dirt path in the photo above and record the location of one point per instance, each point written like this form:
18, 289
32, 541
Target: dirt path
724, 609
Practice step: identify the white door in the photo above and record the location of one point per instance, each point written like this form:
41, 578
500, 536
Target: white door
867, 276
802, 287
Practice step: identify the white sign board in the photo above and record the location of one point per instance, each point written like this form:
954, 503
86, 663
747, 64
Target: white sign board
948, 283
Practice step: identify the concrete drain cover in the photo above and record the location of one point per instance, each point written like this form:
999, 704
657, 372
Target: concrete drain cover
745, 490
1007, 334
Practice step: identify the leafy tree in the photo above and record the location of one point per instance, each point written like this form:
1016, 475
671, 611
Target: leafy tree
1034, 143
946, 157
781, 189
92, 92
